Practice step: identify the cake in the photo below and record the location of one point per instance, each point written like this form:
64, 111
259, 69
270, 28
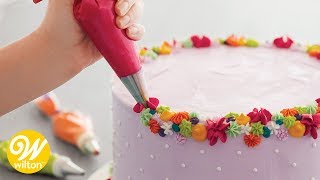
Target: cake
221, 109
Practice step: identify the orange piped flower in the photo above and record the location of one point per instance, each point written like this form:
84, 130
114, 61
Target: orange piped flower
289, 112
178, 117
154, 126
252, 140
233, 41
48, 104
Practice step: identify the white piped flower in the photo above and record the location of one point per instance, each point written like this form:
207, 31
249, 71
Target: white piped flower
273, 126
167, 126
245, 129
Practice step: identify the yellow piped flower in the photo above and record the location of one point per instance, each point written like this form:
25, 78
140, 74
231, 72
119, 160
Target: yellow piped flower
242, 41
243, 119
297, 130
166, 116
165, 49
143, 51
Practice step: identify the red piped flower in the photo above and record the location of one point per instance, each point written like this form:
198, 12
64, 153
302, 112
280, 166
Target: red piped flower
262, 115
200, 42
252, 140
154, 126
152, 104
216, 130
283, 42
312, 123
318, 101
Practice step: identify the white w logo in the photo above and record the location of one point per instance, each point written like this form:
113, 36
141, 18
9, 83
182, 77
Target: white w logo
24, 147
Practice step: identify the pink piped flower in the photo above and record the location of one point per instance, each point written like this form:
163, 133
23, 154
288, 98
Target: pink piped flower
262, 115
217, 130
152, 103
200, 42
282, 134
283, 42
181, 139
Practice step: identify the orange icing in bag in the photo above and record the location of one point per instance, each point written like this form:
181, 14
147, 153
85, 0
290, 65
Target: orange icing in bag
71, 127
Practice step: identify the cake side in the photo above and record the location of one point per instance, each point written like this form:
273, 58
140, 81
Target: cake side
213, 82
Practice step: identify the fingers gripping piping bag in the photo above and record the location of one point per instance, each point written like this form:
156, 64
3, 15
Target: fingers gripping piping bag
57, 166
97, 19
72, 127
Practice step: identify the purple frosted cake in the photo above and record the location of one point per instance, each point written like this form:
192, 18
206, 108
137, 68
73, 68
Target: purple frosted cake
229, 109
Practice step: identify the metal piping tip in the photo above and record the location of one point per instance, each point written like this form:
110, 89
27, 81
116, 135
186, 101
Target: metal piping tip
136, 85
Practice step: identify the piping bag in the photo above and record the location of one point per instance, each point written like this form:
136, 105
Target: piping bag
57, 166
69, 126
97, 18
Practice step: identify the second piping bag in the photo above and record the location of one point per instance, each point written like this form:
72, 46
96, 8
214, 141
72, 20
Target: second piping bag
97, 18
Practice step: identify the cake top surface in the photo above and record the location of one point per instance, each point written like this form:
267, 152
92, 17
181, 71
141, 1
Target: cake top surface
220, 79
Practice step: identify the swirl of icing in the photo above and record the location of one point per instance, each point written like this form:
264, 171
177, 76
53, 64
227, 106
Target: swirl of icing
297, 130
289, 112
178, 117
243, 119
277, 116
154, 126
161, 109
252, 140
262, 115
252, 43
185, 128
231, 115
234, 129
257, 128
289, 121
166, 116
311, 109
199, 132
216, 130
145, 116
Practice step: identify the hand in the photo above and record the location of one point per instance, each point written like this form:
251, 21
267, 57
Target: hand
63, 31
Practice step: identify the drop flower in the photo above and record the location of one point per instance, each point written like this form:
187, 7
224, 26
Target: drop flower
234, 130
161, 109
277, 116
289, 121
273, 126
216, 130
262, 115
154, 126
178, 117
257, 128
282, 134
242, 119
145, 117
185, 128
312, 123
231, 115
167, 127
252, 140
289, 112
246, 129
311, 109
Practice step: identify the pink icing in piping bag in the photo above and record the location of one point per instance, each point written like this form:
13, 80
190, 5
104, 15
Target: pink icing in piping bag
97, 19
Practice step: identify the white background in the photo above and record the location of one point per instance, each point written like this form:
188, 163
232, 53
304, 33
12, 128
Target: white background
164, 19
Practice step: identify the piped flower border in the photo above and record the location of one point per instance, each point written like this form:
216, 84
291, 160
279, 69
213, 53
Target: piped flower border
254, 126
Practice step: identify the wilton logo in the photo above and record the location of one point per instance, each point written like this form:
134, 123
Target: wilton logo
28, 152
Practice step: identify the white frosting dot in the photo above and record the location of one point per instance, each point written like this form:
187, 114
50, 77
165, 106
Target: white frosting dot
183, 165
312, 178
255, 170
119, 123
314, 144
202, 151
141, 170
167, 146
119, 155
239, 152
219, 169
152, 156
294, 164
166, 179
127, 144
129, 177
139, 135
276, 150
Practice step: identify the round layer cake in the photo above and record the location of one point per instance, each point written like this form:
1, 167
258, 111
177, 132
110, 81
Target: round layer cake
198, 137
